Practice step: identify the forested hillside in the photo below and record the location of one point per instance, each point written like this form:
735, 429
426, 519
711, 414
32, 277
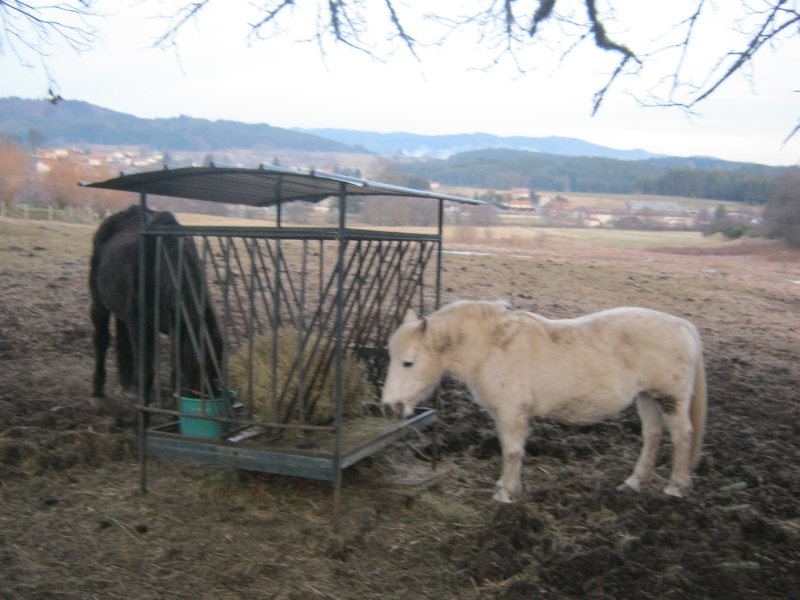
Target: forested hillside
401, 143
73, 122
39, 123
506, 169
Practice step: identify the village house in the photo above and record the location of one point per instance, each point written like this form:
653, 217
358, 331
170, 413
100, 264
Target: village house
641, 213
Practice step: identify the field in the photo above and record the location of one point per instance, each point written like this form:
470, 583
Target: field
74, 524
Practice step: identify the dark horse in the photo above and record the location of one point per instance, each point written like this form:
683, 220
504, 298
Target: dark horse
175, 293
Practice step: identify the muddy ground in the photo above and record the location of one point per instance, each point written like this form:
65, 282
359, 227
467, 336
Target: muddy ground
74, 524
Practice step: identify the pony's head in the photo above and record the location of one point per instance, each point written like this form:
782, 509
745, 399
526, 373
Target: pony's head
414, 367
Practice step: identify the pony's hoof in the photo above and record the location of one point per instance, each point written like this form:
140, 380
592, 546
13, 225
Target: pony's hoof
674, 491
624, 488
501, 496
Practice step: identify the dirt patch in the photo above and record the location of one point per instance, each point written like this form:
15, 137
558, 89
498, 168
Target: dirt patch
74, 524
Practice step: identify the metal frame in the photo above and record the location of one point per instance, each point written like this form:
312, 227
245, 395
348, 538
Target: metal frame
266, 278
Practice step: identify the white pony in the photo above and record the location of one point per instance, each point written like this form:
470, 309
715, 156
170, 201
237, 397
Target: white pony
520, 365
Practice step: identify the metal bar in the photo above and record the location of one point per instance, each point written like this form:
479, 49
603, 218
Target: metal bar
157, 275
385, 439
294, 233
281, 463
251, 333
282, 460
239, 421
142, 394
437, 396
339, 410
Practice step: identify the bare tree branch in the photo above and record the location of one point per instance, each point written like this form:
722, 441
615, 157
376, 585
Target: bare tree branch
33, 30
792, 133
407, 39
602, 41
177, 20
543, 12
768, 30
508, 31
41, 28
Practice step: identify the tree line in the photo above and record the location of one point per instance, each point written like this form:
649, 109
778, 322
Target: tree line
777, 188
500, 169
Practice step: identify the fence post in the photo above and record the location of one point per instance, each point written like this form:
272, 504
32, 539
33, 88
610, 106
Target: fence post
50, 212
2, 208
25, 211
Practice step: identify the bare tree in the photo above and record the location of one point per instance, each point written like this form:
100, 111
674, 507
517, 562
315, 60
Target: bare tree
33, 30
13, 171
782, 215
507, 30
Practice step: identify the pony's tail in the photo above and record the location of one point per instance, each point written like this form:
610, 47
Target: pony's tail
124, 356
697, 411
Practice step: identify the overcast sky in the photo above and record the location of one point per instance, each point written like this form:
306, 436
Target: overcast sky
215, 73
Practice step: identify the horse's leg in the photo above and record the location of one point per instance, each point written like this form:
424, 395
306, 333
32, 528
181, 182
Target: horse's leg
512, 429
136, 361
680, 432
652, 431
102, 338
126, 356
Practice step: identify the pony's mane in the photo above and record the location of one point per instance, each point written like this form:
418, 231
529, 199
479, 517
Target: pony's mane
445, 331
485, 309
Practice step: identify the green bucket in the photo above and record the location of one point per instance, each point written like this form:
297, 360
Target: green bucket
216, 407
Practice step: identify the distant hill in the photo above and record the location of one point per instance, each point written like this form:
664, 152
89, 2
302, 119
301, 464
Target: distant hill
72, 122
503, 169
472, 160
444, 146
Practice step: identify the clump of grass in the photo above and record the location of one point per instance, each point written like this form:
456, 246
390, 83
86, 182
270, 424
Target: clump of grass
310, 387
449, 509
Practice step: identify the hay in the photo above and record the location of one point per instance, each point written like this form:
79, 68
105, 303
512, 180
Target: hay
305, 400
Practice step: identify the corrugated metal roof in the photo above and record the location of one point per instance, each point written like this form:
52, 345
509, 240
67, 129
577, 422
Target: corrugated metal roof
263, 186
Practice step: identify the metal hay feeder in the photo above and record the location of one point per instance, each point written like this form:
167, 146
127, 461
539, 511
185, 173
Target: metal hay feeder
342, 289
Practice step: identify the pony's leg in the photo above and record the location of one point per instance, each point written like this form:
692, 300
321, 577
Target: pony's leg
680, 432
102, 338
512, 429
652, 431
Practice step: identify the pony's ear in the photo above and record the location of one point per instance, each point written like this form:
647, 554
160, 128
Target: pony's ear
410, 316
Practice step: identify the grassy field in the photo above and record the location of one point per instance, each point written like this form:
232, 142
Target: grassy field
608, 201
519, 237
532, 239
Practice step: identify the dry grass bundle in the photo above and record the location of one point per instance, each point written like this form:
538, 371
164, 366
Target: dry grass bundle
310, 388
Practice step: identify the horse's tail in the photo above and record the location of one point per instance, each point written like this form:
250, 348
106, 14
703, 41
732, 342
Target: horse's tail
697, 411
125, 358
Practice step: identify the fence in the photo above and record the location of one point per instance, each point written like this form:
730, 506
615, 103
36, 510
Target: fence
70, 214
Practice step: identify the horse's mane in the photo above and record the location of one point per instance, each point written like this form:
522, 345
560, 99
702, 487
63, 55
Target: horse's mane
483, 314
125, 220
485, 309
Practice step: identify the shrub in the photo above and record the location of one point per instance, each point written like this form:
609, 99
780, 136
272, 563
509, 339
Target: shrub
782, 214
